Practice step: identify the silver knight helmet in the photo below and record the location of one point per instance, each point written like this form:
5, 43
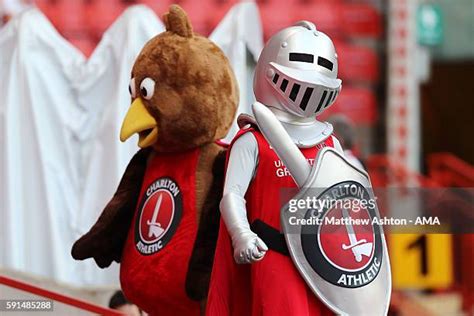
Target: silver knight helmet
297, 71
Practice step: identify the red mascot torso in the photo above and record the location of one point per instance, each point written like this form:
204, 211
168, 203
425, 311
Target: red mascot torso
271, 286
160, 241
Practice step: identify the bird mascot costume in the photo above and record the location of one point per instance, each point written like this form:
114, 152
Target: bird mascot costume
161, 225
257, 270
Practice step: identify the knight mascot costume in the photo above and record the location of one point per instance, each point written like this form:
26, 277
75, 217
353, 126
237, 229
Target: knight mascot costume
270, 258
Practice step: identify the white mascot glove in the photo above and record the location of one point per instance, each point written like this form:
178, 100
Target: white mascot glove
248, 247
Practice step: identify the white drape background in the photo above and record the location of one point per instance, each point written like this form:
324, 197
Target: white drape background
240, 36
60, 115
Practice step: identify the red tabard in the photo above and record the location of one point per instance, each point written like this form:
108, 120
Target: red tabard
271, 286
160, 241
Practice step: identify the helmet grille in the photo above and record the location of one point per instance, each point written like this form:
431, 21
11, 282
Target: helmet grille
313, 100
306, 97
321, 101
294, 91
284, 84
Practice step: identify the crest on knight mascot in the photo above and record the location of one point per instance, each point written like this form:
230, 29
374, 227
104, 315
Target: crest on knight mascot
333, 236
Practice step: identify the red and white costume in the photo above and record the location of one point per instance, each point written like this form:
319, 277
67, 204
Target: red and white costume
154, 266
272, 286
296, 78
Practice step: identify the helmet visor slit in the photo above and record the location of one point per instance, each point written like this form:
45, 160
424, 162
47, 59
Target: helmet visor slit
306, 97
275, 78
329, 99
284, 84
321, 101
294, 92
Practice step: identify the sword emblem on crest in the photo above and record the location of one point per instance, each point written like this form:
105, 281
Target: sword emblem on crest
155, 229
359, 247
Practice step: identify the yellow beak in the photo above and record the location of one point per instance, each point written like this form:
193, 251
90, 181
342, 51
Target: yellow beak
138, 120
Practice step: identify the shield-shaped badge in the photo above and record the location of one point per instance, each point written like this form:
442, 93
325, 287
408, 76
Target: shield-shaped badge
337, 243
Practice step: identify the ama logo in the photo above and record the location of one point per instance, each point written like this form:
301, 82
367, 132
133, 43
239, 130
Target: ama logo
160, 211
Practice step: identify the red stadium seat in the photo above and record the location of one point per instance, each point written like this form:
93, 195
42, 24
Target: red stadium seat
81, 18
357, 63
358, 104
326, 16
158, 6
200, 13
100, 14
219, 11
66, 16
361, 20
294, 2
275, 16
84, 44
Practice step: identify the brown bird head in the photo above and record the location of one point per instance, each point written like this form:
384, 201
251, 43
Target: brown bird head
184, 93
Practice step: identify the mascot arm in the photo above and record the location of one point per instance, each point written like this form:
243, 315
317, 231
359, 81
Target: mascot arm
104, 241
241, 168
202, 258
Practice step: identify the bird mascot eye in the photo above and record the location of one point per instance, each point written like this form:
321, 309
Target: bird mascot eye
132, 89
147, 87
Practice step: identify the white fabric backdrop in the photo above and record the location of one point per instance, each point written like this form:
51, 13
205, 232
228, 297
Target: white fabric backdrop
240, 36
61, 158
60, 115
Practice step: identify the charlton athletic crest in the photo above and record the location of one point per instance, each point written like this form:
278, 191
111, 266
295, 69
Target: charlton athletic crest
345, 248
159, 215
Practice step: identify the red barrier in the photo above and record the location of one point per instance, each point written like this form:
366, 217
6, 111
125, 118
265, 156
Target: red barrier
445, 170
451, 171
384, 171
